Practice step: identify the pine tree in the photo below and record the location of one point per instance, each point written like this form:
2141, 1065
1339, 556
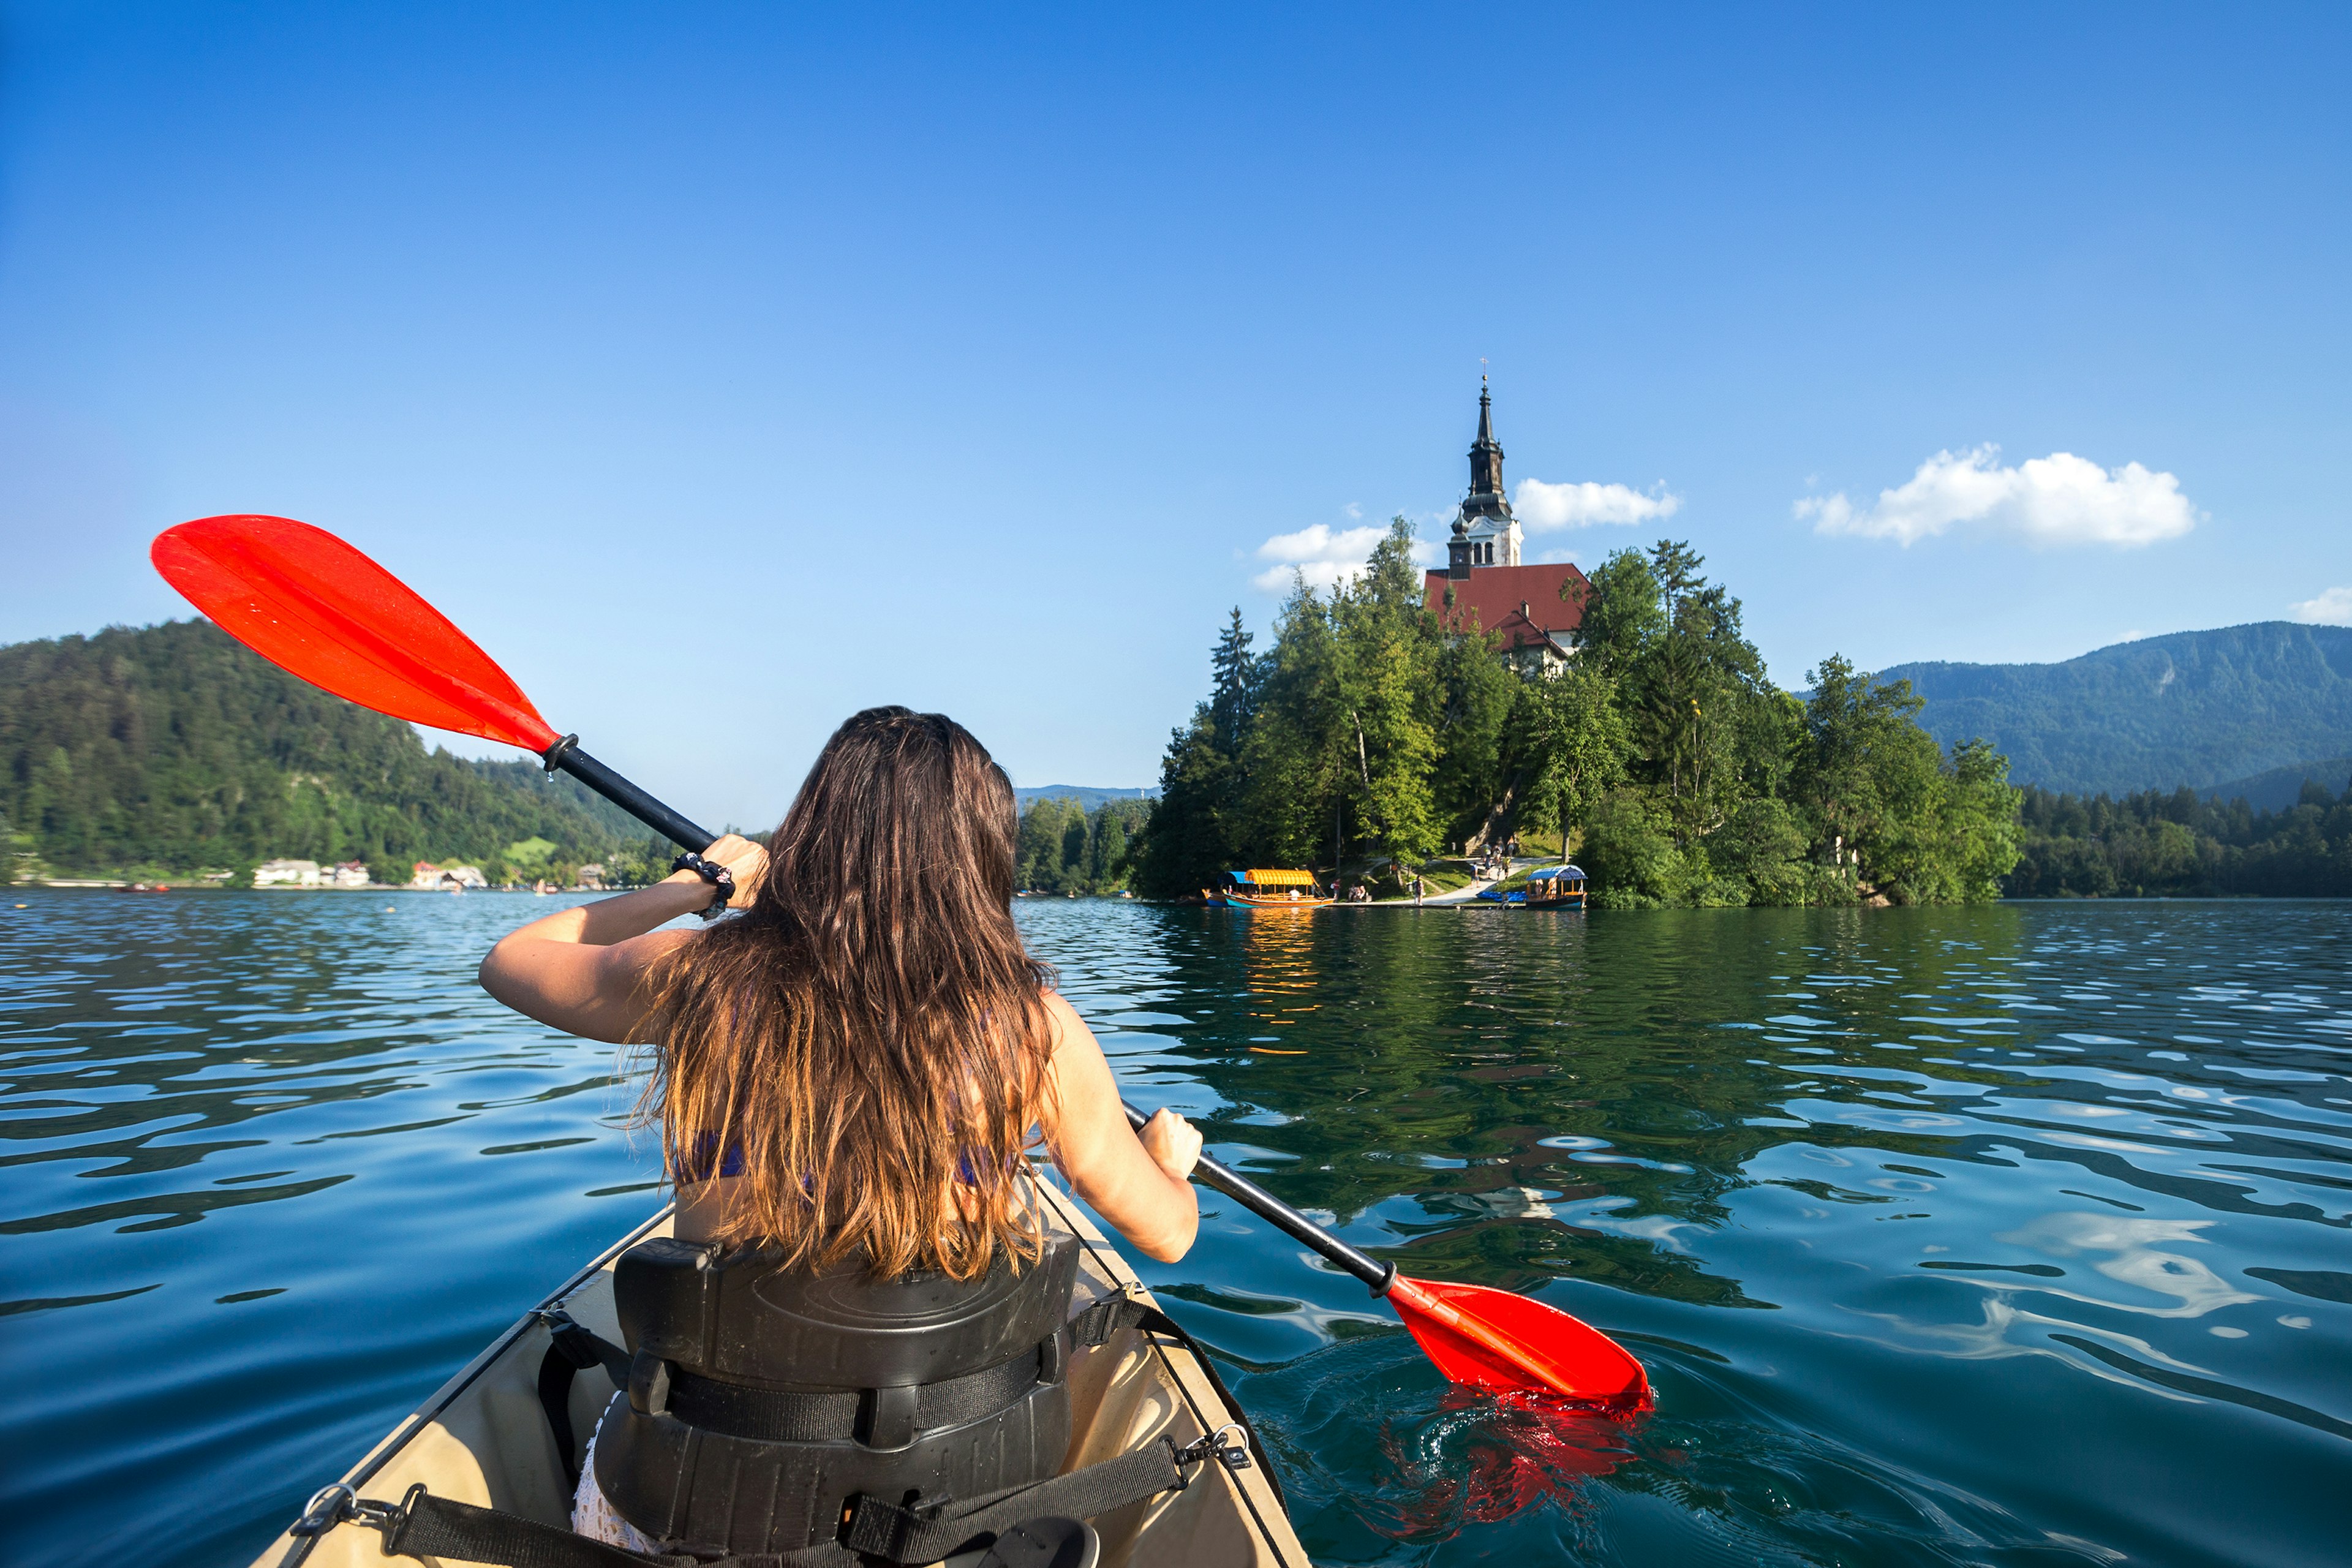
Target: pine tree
1238, 681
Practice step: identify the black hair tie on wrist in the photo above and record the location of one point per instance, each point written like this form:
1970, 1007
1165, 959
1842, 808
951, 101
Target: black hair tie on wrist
719, 877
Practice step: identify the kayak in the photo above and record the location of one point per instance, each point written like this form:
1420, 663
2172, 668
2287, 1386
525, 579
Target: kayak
484, 1437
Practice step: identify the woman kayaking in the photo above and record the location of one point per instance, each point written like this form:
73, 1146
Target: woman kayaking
849, 1074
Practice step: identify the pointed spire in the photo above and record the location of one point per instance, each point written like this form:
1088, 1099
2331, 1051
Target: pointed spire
1487, 453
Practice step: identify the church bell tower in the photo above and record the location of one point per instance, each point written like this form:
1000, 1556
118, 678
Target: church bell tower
1485, 532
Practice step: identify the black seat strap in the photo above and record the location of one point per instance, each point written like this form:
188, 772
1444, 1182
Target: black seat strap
570, 1350
1097, 1324
880, 1417
916, 1535
430, 1527
798, 1415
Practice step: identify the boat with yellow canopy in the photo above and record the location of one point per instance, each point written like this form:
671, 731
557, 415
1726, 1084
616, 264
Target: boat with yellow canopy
1268, 890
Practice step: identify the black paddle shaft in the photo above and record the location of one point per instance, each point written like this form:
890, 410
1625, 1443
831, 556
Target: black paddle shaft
1226, 1180
1283, 1217
630, 798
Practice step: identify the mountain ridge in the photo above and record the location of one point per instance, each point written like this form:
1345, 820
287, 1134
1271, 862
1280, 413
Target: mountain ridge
2196, 708
1086, 795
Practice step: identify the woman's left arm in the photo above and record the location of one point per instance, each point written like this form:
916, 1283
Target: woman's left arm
578, 969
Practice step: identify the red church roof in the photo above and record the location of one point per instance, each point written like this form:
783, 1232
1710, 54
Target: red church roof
1523, 603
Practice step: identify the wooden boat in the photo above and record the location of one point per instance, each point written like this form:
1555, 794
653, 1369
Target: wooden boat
484, 1439
1268, 890
1555, 888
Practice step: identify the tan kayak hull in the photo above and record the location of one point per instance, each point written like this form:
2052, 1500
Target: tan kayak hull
482, 1438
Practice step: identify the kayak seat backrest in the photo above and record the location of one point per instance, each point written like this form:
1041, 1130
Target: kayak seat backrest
743, 1319
760, 1398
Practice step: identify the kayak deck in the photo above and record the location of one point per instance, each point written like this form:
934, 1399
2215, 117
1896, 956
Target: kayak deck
483, 1438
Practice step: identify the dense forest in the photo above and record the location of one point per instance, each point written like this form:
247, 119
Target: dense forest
2177, 844
1368, 738
2206, 708
1066, 849
172, 750
1365, 738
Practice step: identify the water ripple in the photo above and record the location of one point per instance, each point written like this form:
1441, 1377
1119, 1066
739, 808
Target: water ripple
2005, 1236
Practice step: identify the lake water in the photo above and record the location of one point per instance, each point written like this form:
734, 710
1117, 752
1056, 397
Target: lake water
1999, 1235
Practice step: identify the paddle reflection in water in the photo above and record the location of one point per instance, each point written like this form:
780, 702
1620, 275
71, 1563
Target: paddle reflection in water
1949, 1235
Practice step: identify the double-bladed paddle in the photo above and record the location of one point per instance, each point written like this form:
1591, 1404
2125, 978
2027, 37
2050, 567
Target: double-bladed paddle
313, 605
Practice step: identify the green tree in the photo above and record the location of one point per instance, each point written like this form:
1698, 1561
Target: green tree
1622, 618
1189, 836
1569, 744
1475, 772
1239, 679
1106, 863
1630, 856
1298, 763
1389, 660
1854, 747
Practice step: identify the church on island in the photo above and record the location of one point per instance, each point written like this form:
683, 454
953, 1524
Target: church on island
1485, 588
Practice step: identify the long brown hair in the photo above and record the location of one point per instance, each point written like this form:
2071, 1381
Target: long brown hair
869, 1038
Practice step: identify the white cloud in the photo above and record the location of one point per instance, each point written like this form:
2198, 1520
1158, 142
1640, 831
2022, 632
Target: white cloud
1326, 555
1541, 506
2058, 499
2332, 608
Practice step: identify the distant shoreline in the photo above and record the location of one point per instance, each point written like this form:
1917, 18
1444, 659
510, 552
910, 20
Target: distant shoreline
130, 884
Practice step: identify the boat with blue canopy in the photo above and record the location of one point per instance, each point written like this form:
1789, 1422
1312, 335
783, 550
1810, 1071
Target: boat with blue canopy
1555, 888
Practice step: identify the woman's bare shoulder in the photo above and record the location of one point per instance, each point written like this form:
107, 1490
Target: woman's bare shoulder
1069, 1028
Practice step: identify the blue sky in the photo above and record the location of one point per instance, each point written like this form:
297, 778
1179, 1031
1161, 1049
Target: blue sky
725, 369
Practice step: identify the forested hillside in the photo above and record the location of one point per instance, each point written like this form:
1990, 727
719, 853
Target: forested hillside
1369, 735
2276, 789
2175, 843
2199, 709
173, 749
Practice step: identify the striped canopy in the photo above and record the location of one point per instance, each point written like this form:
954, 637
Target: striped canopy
1281, 878
1548, 872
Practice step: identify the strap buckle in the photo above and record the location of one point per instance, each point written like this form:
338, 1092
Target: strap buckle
382, 1516
1233, 1456
339, 1504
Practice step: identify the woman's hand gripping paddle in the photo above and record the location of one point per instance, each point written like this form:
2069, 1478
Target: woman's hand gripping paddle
1488, 1339
310, 604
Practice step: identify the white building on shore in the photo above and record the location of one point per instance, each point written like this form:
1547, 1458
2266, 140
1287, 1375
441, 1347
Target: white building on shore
287, 874
440, 878
351, 874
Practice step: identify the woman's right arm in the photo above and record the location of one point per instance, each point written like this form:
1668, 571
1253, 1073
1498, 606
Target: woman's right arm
1139, 1182
579, 968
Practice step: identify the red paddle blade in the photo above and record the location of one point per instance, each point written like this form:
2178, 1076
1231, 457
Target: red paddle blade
1498, 1341
310, 604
